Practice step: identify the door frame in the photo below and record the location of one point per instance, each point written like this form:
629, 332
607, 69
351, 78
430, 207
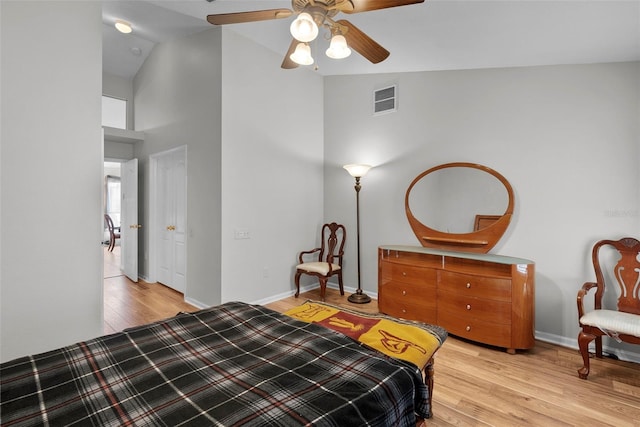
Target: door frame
154, 219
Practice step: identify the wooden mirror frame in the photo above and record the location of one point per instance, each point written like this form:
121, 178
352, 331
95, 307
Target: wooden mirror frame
480, 241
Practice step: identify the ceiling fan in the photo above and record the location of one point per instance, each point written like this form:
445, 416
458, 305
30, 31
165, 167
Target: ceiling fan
315, 14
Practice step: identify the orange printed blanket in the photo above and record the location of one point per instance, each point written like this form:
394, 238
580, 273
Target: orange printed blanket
411, 341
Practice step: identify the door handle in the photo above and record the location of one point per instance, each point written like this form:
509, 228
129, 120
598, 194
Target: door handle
171, 227
135, 226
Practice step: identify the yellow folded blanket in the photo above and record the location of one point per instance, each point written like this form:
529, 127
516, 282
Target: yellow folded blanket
409, 341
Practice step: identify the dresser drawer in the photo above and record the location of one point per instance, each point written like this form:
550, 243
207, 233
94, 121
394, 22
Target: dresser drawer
404, 308
465, 307
487, 332
407, 273
474, 286
410, 291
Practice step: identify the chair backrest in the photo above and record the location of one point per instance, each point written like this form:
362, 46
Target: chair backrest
626, 272
109, 221
333, 238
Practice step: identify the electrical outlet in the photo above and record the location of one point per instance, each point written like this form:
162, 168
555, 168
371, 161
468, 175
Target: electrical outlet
241, 233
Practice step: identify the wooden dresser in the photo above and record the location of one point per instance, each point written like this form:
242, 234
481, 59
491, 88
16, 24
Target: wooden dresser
481, 297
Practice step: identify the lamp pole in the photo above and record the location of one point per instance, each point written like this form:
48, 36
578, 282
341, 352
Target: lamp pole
358, 171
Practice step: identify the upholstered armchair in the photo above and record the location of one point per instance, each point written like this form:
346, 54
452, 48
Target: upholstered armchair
623, 323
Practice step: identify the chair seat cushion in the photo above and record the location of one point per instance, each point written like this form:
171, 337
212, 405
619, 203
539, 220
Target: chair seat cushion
317, 267
611, 322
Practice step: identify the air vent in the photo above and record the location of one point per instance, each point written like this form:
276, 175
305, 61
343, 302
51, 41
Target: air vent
384, 100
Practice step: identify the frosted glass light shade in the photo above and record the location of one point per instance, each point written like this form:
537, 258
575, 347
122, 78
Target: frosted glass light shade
123, 26
357, 171
338, 48
304, 28
302, 54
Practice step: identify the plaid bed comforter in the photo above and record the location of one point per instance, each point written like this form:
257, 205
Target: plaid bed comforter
230, 365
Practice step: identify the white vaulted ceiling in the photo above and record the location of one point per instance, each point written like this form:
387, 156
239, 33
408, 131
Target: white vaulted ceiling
434, 35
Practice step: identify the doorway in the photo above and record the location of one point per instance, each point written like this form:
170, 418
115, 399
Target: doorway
120, 203
111, 206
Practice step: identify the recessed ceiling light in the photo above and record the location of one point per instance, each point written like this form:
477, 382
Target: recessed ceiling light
123, 26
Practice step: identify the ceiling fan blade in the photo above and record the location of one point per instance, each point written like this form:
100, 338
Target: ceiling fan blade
362, 43
287, 62
241, 17
367, 5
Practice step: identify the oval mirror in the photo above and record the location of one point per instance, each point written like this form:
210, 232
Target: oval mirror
459, 206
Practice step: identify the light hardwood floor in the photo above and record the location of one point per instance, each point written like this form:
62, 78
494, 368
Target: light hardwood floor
129, 304
475, 385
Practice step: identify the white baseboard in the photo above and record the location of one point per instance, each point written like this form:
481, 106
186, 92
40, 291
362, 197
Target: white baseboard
347, 290
196, 303
628, 356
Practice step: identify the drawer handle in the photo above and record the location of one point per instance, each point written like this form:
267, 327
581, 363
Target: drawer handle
404, 292
468, 285
468, 328
404, 311
468, 306
404, 273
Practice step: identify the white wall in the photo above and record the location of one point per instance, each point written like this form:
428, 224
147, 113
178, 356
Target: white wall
272, 156
121, 88
566, 137
51, 175
177, 101
248, 165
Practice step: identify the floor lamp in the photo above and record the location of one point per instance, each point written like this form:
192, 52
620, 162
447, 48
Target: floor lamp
358, 171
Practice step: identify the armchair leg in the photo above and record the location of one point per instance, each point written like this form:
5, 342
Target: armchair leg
340, 283
598, 347
583, 343
297, 280
323, 287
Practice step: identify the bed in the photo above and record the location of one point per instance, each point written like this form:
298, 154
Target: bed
229, 365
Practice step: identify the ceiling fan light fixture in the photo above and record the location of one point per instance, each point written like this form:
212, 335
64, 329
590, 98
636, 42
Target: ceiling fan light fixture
302, 54
338, 48
123, 26
304, 28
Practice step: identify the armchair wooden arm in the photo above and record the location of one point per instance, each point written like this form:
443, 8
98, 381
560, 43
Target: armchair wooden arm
312, 251
583, 293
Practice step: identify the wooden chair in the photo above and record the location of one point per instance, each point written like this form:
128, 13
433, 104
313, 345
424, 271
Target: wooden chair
328, 261
113, 235
622, 324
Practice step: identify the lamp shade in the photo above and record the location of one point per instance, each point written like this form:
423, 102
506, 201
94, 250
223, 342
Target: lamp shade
123, 26
338, 48
302, 54
304, 28
357, 171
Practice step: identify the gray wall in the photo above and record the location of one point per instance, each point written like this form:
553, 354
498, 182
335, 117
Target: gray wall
122, 88
119, 87
51, 175
177, 101
566, 137
272, 144
249, 139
